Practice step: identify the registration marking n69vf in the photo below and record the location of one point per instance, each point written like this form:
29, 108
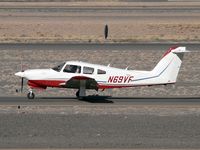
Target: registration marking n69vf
120, 79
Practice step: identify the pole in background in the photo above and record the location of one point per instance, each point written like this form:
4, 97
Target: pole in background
106, 31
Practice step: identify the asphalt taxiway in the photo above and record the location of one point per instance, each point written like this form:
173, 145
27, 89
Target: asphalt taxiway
96, 46
100, 100
96, 9
68, 123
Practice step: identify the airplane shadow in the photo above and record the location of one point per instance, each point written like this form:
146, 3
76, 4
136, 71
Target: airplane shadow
90, 99
96, 99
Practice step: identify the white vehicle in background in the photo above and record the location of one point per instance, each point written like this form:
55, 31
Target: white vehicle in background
82, 75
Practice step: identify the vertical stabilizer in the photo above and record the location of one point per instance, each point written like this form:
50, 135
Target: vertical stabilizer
168, 67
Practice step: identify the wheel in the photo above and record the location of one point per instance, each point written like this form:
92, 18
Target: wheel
77, 94
30, 95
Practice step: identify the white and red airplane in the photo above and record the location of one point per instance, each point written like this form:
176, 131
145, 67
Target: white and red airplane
82, 75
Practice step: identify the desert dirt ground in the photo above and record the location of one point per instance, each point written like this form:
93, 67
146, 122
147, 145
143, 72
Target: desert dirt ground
188, 83
75, 21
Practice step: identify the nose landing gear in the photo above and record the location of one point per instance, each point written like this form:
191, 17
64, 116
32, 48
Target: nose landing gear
30, 95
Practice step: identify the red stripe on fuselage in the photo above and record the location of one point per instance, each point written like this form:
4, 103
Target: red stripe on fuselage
45, 83
113, 86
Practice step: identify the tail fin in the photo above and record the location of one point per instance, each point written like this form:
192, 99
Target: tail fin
168, 67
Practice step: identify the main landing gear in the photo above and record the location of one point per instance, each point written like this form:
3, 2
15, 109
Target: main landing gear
82, 91
78, 94
30, 95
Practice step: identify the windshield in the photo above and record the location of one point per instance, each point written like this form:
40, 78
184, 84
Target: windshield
59, 67
72, 69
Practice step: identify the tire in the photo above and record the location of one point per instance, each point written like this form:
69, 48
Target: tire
77, 94
30, 95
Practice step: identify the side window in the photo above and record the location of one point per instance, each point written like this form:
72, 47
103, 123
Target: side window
72, 69
99, 71
88, 70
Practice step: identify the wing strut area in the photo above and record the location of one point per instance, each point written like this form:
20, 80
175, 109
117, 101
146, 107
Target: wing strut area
82, 91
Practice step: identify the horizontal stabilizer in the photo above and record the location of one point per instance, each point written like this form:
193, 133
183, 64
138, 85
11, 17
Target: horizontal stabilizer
180, 50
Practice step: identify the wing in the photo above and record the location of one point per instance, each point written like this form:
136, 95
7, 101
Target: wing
74, 82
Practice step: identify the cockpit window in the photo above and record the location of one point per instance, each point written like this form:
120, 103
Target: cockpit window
88, 70
99, 71
72, 69
59, 67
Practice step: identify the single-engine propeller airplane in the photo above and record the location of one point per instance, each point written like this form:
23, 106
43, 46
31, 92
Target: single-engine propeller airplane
82, 75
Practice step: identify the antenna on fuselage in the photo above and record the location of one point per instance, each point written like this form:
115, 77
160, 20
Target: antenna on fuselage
127, 68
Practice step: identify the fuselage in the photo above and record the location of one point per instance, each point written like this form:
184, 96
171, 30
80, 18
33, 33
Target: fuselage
105, 76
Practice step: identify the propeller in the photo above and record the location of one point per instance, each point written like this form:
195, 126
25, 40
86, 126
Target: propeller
22, 84
21, 74
22, 78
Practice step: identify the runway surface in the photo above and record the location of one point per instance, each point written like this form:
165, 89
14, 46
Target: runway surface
99, 122
69, 123
94, 46
99, 100
102, 12
109, 9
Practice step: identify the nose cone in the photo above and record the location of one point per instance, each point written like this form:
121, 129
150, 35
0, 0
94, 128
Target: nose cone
20, 74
